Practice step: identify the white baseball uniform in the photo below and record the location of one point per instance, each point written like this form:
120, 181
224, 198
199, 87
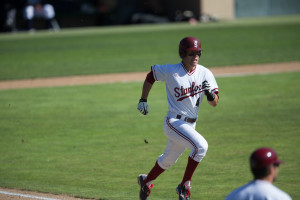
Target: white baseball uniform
47, 12
184, 94
258, 190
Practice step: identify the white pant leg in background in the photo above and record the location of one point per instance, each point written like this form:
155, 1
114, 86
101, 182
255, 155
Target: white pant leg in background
29, 12
48, 11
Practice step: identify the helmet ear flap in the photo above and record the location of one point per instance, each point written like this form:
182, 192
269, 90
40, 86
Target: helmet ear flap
182, 53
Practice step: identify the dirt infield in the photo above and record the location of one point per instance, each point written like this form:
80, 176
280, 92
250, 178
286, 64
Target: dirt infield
12, 194
140, 76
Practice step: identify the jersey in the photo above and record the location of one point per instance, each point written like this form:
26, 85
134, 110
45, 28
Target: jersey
184, 89
258, 190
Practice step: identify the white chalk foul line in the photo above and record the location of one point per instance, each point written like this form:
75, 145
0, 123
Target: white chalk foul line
27, 196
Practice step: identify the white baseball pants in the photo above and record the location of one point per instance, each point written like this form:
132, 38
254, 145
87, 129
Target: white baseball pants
47, 12
181, 135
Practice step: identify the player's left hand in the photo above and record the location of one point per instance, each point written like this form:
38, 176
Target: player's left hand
206, 87
207, 90
143, 106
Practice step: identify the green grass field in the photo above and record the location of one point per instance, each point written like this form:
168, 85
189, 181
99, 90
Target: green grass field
136, 48
88, 141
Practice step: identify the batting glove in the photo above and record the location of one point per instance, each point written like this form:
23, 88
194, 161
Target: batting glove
207, 90
143, 106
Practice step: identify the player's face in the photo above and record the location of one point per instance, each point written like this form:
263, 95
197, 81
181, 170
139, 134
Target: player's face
192, 57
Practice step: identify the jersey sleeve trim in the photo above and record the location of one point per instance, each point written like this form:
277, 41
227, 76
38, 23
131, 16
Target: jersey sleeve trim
154, 73
216, 92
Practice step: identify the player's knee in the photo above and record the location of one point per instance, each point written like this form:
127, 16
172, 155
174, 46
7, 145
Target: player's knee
204, 148
199, 153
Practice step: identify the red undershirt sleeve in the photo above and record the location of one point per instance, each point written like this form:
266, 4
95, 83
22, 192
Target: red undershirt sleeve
150, 77
217, 93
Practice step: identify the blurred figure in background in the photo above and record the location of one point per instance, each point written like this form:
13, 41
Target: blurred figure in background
8, 14
149, 11
40, 9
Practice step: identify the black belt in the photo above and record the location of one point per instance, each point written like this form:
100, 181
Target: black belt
190, 120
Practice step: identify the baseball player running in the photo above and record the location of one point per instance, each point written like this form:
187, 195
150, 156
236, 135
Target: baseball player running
187, 83
264, 166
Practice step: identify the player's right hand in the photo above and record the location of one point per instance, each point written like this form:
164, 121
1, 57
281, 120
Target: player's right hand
143, 106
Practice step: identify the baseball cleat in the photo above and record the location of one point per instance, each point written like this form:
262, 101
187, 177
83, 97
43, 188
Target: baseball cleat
145, 190
183, 192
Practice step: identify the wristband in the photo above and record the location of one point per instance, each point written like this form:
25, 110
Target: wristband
143, 100
210, 96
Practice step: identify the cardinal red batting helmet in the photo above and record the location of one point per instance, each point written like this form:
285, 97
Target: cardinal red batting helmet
263, 157
189, 44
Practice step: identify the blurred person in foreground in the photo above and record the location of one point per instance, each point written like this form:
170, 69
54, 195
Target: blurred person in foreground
264, 167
